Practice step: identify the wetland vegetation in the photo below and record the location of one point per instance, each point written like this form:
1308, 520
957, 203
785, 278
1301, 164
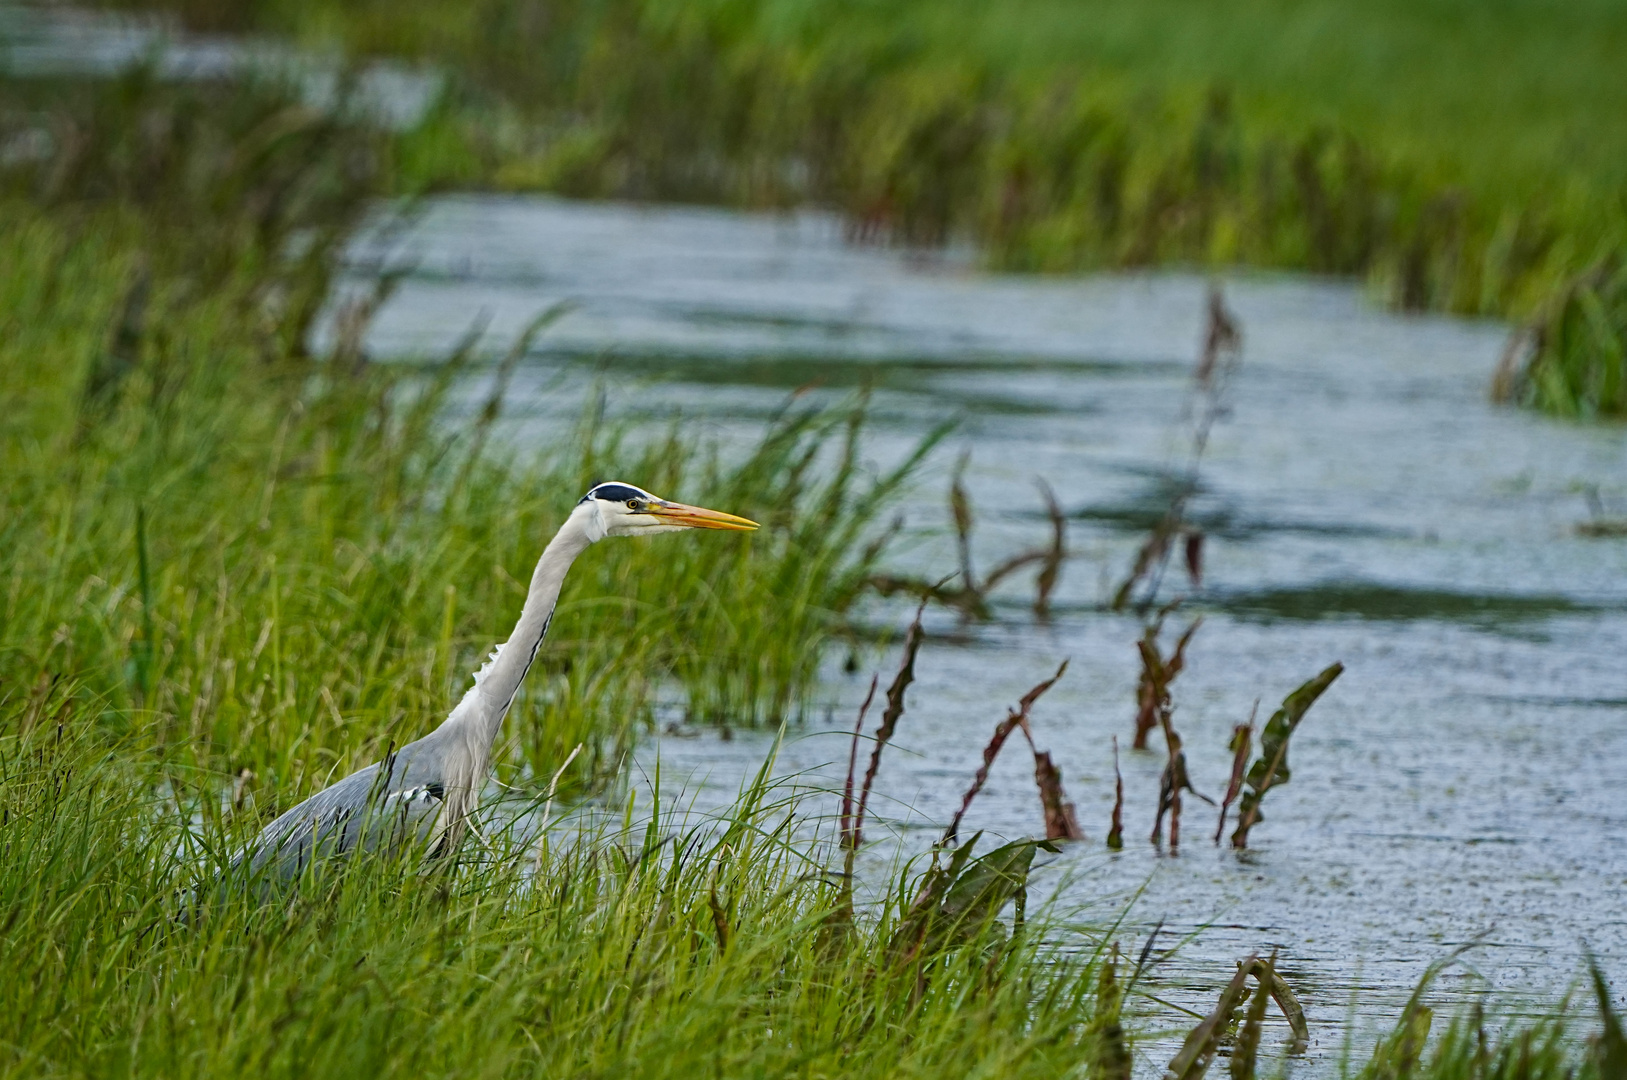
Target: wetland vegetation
231, 569
1458, 157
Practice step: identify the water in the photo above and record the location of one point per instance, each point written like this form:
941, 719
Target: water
63, 42
1364, 502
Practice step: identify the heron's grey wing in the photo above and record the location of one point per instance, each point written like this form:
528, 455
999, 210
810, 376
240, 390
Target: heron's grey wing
359, 811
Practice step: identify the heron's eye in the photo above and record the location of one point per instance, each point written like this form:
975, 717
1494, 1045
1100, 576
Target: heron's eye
636, 505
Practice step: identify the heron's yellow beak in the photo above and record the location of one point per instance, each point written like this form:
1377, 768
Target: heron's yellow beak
697, 517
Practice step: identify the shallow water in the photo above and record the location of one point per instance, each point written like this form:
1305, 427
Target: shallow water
1364, 502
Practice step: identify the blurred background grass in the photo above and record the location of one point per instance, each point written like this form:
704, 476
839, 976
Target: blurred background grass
1504, 95
1459, 156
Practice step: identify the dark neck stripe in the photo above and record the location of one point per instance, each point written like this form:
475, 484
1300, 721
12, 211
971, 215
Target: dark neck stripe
532, 659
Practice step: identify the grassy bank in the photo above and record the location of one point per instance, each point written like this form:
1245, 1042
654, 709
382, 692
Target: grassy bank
1459, 157
278, 563
710, 953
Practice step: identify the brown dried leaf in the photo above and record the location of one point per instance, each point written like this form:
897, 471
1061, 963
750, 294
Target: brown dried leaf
1061, 821
1115, 832
1017, 717
1201, 1042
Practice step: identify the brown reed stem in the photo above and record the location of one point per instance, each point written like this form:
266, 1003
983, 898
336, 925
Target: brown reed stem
1217, 361
1241, 743
1051, 572
845, 828
1115, 832
889, 717
1015, 718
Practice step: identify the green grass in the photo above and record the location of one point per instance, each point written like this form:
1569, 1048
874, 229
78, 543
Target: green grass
281, 563
1576, 348
1504, 94
641, 946
230, 570
1504, 97
710, 950
1463, 156
322, 561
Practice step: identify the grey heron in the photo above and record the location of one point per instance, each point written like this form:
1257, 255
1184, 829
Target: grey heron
426, 791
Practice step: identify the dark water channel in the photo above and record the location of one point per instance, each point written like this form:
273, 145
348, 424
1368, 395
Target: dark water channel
1465, 780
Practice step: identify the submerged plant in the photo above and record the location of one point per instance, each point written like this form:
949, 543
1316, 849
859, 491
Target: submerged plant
1175, 779
1171, 784
1115, 829
1153, 701
1203, 1041
970, 597
1242, 741
852, 834
1219, 357
1271, 767
1061, 822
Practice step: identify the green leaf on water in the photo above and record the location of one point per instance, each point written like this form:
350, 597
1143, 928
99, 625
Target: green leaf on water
953, 905
1271, 767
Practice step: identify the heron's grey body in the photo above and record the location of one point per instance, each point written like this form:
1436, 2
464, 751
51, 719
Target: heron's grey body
385, 806
424, 793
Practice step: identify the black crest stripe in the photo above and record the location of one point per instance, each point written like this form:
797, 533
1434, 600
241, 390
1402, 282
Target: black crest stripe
616, 493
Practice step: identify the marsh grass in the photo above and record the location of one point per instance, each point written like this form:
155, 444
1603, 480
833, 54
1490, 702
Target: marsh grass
970, 592
926, 122
665, 949
321, 562
1571, 358
640, 943
230, 570
278, 564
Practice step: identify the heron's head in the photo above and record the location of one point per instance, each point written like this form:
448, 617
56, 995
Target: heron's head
617, 509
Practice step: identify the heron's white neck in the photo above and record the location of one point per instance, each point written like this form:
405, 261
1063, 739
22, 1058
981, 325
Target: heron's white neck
479, 716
